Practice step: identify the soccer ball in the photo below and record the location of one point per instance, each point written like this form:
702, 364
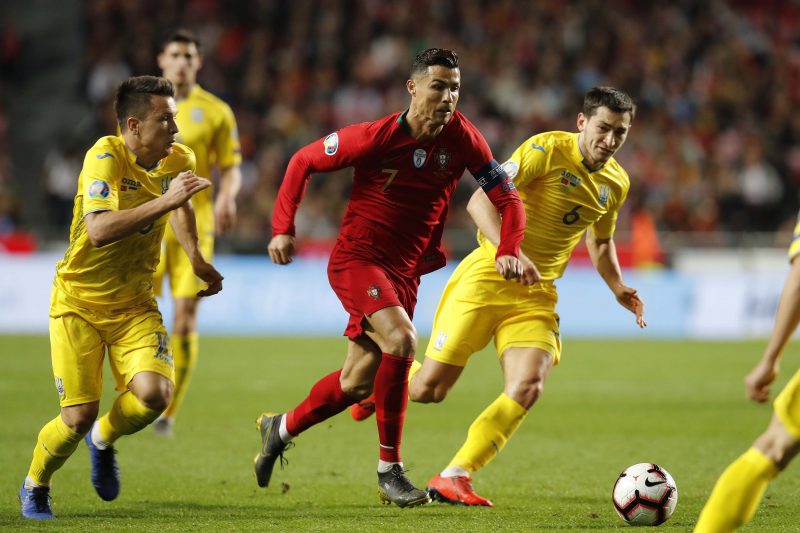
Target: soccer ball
645, 495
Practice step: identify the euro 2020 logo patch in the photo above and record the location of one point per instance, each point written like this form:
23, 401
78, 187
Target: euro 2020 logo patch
331, 143
99, 189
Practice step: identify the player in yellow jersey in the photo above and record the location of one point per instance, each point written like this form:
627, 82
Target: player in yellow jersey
102, 298
738, 491
570, 184
208, 127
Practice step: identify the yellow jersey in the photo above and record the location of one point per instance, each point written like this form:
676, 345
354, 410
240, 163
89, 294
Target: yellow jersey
119, 274
562, 198
208, 127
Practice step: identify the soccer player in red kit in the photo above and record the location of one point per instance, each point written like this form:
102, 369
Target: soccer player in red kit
406, 166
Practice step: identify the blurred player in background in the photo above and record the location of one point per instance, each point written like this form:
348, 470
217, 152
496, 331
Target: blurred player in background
208, 127
569, 184
103, 292
738, 491
407, 166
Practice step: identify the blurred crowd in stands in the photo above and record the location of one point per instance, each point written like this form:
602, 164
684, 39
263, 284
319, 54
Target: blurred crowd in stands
715, 145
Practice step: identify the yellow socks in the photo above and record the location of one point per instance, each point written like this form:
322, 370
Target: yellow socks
737, 493
128, 415
55, 444
184, 353
488, 433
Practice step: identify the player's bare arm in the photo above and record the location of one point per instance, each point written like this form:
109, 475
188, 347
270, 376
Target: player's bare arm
184, 225
787, 318
225, 204
488, 220
603, 253
281, 249
105, 227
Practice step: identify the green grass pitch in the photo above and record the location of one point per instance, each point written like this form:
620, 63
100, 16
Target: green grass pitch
608, 405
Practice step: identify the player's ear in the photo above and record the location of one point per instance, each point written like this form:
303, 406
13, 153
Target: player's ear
133, 125
411, 87
581, 121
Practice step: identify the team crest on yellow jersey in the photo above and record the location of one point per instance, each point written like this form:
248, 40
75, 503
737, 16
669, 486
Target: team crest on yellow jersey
605, 192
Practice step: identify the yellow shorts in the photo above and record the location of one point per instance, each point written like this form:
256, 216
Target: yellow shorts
175, 263
478, 304
787, 405
135, 338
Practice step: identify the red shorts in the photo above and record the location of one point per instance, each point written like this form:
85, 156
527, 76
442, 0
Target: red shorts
364, 288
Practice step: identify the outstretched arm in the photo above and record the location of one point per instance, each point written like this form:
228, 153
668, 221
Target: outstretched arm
185, 226
603, 253
488, 220
786, 320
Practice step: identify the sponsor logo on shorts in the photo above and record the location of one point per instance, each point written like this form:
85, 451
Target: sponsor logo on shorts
331, 143
441, 338
374, 292
99, 189
60, 387
420, 156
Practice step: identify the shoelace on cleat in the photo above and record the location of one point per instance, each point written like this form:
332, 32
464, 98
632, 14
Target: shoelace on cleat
401, 479
40, 499
284, 461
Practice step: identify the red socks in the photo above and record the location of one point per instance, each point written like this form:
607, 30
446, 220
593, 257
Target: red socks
391, 399
325, 400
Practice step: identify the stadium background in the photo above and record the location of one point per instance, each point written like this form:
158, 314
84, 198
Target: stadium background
714, 154
714, 157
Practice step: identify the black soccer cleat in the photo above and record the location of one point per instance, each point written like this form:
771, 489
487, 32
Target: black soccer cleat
394, 487
272, 447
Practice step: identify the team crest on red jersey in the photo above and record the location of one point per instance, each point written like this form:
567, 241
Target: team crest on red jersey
374, 292
442, 157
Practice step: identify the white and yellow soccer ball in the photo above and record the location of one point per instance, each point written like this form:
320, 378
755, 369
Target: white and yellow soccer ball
645, 495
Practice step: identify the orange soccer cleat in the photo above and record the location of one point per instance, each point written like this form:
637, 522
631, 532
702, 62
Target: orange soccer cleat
456, 490
363, 409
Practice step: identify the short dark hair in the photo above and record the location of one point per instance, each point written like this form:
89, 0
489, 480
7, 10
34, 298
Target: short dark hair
433, 56
133, 96
614, 99
180, 35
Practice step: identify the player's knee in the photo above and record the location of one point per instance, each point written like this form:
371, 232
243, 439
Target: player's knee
356, 390
80, 418
778, 447
526, 392
421, 392
402, 342
155, 397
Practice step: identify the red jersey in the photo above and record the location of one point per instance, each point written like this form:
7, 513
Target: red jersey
401, 189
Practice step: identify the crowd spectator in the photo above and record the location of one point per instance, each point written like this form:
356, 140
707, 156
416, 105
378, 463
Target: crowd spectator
717, 144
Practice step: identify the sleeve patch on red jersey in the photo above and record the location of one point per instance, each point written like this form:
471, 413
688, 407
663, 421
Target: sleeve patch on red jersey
331, 143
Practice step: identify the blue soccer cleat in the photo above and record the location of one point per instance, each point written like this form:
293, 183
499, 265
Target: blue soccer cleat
105, 471
35, 503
